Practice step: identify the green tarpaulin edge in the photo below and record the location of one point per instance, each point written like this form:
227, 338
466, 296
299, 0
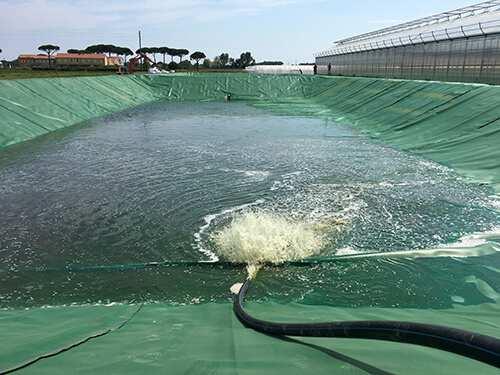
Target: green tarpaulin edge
457, 125
33, 107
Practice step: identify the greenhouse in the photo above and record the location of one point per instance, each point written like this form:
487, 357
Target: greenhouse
461, 46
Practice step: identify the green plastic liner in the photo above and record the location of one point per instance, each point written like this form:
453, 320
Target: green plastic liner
457, 125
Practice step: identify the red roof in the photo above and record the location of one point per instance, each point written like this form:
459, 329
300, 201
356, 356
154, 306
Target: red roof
34, 57
96, 56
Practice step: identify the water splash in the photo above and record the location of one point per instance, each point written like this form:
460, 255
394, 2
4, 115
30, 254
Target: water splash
260, 237
198, 236
253, 270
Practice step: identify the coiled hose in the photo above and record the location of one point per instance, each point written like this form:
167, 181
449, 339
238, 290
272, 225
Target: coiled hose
482, 348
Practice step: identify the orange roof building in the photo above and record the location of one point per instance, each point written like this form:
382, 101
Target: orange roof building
34, 57
87, 59
74, 59
30, 60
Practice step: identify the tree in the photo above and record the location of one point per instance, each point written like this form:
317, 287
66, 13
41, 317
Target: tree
110, 48
125, 52
224, 59
172, 65
197, 56
143, 51
163, 51
172, 52
207, 63
186, 64
216, 62
89, 49
49, 49
96, 48
148, 50
73, 50
221, 61
245, 60
103, 48
154, 51
181, 53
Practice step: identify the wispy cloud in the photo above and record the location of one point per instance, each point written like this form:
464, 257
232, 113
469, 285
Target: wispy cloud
25, 16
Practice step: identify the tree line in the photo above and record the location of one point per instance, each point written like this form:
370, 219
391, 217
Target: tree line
225, 61
164, 51
108, 49
219, 62
222, 61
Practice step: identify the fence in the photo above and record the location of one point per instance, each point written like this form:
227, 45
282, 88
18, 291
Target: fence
469, 58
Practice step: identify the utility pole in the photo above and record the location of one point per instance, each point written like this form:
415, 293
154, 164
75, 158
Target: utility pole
140, 47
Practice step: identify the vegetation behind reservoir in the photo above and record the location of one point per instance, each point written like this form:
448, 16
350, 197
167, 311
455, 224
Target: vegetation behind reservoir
26, 73
20, 73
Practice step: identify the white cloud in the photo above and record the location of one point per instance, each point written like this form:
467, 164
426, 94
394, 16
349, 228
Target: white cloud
25, 24
33, 15
25, 16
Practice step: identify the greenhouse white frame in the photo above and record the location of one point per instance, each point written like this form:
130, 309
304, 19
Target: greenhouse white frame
474, 20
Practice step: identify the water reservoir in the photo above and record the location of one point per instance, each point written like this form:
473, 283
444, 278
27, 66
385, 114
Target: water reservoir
159, 205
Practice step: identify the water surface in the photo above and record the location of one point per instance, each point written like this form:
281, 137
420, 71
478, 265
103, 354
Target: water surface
84, 210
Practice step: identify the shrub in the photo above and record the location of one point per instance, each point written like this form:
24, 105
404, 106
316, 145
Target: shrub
173, 66
186, 64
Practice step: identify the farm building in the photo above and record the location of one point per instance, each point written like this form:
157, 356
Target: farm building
70, 59
33, 60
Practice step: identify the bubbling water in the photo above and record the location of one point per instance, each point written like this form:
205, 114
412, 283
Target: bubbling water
259, 237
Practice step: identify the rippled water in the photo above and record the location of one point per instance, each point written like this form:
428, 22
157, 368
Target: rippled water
84, 211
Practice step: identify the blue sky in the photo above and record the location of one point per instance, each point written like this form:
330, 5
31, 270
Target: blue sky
287, 30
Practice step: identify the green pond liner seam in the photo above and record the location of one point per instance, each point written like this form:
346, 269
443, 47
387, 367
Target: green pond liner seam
73, 345
485, 349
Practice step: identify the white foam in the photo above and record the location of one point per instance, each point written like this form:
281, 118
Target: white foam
473, 245
258, 174
254, 174
345, 251
259, 237
433, 165
287, 181
198, 236
475, 239
287, 175
253, 270
276, 185
495, 202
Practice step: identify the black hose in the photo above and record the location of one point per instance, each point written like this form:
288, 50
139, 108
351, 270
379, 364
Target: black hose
482, 348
